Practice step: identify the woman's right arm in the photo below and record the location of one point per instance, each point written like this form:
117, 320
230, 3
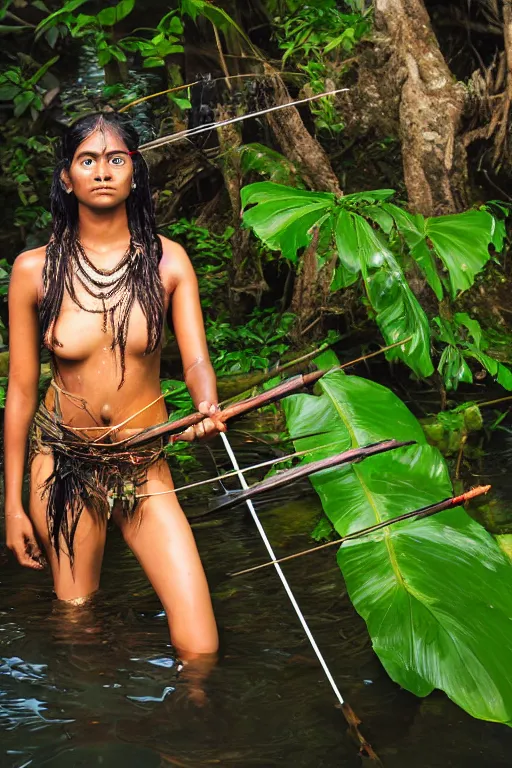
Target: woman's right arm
21, 402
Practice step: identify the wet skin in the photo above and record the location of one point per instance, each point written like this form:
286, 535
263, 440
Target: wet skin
100, 177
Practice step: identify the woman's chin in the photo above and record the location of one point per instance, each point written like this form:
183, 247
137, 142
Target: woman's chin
103, 202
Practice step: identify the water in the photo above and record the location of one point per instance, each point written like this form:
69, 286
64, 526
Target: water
98, 686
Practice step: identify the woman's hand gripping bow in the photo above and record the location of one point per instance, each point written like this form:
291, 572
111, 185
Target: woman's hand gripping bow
209, 427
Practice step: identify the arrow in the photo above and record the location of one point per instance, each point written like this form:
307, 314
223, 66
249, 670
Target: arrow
296, 473
417, 514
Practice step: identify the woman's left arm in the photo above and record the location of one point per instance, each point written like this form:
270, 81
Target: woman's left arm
187, 318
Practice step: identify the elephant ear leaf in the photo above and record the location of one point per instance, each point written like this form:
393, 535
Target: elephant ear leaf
436, 593
345, 236
284, 217
462, 243
412, 228
398, 312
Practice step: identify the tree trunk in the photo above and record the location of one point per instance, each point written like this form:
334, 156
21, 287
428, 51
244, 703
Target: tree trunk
430, 109
296, 143
246, 274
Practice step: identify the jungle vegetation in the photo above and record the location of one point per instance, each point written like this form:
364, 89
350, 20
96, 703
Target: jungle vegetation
373, 215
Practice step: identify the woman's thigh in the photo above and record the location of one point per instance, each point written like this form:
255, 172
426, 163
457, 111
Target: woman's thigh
162, 540
89, 543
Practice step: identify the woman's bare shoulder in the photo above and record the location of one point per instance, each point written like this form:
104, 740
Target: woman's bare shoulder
30, 263
27, 273
175, 262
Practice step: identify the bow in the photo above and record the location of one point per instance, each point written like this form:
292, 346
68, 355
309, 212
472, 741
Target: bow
286, 387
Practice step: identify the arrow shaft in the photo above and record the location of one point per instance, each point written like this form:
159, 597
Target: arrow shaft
416, 514
172, 138
303, 470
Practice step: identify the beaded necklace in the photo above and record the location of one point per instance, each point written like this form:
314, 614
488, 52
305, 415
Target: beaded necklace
110, 292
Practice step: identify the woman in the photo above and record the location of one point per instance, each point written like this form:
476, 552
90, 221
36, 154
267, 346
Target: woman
96, 296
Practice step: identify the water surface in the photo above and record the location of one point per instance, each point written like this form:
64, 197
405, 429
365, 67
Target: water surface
99, 686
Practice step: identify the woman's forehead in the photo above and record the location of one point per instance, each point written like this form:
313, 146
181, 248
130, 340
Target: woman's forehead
101, 141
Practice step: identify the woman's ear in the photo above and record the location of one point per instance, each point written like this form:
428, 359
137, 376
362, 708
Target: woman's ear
66, 181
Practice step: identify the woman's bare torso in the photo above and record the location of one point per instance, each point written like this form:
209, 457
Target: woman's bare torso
86, 367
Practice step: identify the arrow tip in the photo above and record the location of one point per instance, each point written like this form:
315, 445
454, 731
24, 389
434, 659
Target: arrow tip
471, 494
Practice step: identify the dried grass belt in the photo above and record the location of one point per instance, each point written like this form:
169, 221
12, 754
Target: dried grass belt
87, 473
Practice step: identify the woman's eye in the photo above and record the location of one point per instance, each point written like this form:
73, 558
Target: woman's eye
117, 160
87, 162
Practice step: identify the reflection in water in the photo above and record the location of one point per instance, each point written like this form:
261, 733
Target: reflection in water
100, 685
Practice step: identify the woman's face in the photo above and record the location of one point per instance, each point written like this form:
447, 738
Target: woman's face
101, 172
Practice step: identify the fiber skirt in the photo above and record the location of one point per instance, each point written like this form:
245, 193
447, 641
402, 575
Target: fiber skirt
86, 474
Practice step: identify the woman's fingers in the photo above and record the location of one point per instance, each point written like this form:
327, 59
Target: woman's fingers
213, 424
188, 435
34, 550
207, 428
28, 554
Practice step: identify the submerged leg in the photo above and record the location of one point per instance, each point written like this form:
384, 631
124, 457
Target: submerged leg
89, 542
162, 541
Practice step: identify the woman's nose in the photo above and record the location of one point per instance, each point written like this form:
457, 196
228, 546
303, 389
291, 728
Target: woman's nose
103, 176
103, 173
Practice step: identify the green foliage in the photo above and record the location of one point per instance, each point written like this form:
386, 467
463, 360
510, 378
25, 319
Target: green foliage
314, 36
449, 430
165, 42
210, 254
313, 30
257, 158
217, 16
99, 29
23, 160
261, 340
465, 339
255, 345
436, 593
460, 241
59, 23
24, 91
177, 396
373, 239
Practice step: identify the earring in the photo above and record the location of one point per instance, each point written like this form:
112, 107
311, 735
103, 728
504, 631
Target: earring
68, 191
64, 187
134, 185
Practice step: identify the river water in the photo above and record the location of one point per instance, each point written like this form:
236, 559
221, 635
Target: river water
98, 686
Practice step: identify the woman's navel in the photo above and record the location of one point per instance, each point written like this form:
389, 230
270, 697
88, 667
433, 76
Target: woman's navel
106, 414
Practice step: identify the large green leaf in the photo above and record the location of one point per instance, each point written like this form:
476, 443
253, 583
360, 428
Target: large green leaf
284, 216
412, 228
436, 593
345, 236
399, 314
462, 243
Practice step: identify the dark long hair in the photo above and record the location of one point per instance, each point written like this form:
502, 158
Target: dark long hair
147, 286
